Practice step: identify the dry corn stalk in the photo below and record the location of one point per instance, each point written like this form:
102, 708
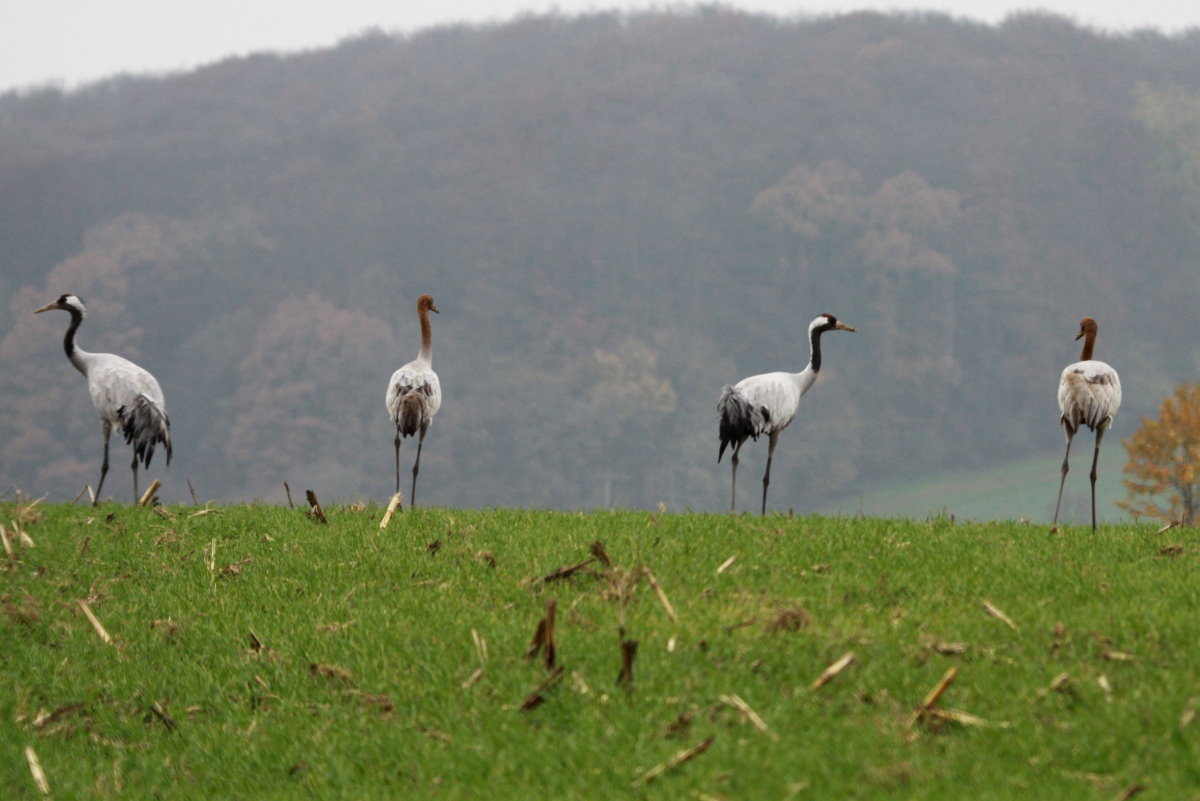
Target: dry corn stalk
740, 705
397, 502
315, 506
148, 497
567, 571
934, 695
677, 759
598, 551
995, 612
662, 596
837, 667
535, 698
473, 679
87, 612
1129, 792
35, 769
960, 717
481, 649
628, 652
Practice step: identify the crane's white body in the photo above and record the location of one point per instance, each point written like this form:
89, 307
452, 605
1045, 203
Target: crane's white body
115, 383
767, 403
414, 394
1089, 394
777, 395
127, 397
416, 376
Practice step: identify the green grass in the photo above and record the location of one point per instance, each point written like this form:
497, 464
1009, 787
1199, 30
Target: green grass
357, 690
1019, 489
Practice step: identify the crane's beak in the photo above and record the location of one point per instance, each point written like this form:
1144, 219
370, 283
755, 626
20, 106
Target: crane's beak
47, 307
434, 309
843, 327
1080, 334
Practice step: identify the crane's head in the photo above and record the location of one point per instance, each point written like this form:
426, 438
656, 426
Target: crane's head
426, 302
1087, 326
67, 302
827, 322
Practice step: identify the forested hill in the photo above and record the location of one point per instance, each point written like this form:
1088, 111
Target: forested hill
616, 216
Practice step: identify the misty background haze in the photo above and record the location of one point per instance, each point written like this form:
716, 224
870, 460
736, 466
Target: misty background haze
616, 215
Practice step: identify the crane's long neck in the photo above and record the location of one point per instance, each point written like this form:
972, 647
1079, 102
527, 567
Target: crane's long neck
426, 336
1089, 343
814, 344
75, 354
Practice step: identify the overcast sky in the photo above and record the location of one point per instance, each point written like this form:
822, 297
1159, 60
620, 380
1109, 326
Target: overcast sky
71, 42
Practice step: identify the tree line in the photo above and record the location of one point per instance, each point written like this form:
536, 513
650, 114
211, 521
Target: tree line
617, 215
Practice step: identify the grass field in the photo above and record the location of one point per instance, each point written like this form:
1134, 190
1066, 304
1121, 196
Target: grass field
1021, 488
256, 653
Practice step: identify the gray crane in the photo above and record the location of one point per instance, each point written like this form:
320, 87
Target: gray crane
767, 404
126, 396
414, 394
1089, 393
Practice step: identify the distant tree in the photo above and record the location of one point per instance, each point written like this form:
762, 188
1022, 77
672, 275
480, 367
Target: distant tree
575, 191
1163, 458
808, 201
1172, 116
308, 407
896, 233
623, 408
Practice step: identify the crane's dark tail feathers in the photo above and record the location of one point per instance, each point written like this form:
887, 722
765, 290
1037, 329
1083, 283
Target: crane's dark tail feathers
739, 418
145, 425
412, 411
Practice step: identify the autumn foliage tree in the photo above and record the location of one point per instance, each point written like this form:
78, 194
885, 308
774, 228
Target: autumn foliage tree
1163, 459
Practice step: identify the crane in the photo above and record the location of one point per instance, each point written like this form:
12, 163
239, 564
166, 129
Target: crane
414, 394
1089, 393
767, 404
126, 396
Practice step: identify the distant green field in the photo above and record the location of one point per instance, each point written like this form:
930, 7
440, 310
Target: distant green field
1022, 489
256, 653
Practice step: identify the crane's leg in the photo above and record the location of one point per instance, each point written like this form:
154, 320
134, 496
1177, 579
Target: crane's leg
1095, 459
136, 498
412, 501
771, 443
103, 466
1063, 480
397, 460
737, 448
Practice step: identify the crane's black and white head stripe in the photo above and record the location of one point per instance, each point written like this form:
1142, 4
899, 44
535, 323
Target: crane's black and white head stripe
822, 323
69, 302
73, 305
826, 322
